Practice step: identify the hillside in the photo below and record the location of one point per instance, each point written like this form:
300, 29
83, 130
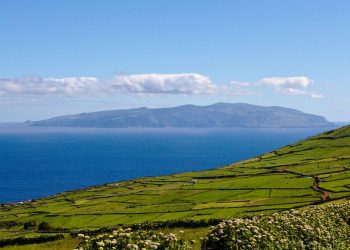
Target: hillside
308, 172
216, 115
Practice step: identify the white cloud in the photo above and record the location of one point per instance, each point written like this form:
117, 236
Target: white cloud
296, 85
287, 82
69, 86
186, 83
149, 84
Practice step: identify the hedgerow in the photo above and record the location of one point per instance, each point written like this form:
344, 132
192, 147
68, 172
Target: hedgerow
186, 223
30, 240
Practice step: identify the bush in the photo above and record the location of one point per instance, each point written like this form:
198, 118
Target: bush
44, 226
134, 239
29, 224
323, 227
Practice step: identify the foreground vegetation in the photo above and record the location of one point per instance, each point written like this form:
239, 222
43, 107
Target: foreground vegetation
322, 227
306, 173
129, 239
315, 227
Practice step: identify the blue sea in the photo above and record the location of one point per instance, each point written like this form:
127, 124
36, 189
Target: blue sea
36, 162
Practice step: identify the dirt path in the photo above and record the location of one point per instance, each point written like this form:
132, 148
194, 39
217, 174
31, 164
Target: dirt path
315, 186
325, 194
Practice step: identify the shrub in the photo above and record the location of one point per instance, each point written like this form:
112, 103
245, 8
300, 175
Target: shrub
323, 227
134, 239
44, 226
29, 224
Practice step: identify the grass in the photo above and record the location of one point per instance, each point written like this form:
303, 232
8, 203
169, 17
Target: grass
275, 181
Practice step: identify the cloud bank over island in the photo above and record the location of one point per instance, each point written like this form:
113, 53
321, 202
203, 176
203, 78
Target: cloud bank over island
151, 84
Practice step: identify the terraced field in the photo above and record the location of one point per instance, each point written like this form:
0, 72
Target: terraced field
308, 172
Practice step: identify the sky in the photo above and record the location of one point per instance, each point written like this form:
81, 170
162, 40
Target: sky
64, 57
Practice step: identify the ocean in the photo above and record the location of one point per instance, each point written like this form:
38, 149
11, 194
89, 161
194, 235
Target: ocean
37, 162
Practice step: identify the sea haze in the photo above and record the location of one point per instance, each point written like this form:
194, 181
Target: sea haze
36, 162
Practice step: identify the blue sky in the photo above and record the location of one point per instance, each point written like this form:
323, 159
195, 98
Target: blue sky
62, 57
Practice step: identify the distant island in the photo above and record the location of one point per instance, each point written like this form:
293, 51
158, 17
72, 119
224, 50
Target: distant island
224, 115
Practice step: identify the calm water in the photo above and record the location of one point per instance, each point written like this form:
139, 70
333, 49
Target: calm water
36, 162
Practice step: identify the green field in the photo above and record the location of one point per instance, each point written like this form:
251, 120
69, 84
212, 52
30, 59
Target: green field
275, 181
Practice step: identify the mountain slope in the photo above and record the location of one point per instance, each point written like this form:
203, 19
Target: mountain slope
308, 172
216, 115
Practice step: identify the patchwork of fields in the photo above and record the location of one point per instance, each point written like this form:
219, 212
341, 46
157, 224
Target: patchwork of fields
298, 175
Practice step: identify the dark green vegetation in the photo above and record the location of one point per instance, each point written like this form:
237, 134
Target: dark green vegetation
25, 240
191, 116
66, 243
308, 172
